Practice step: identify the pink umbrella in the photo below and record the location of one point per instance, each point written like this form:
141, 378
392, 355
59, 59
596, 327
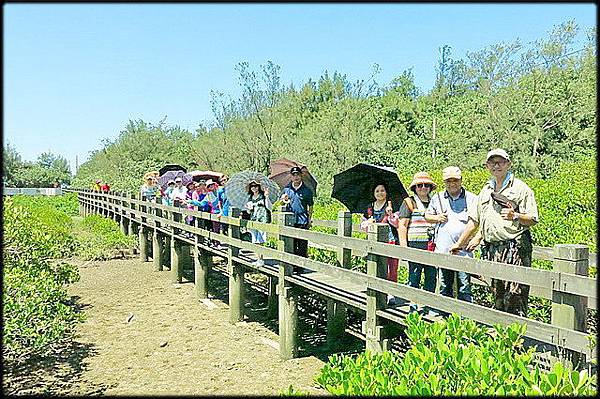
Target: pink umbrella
197, 175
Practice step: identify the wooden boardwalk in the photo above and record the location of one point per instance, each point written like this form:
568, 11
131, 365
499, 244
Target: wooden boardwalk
159, 228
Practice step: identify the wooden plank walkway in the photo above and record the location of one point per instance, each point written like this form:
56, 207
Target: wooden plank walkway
570, 290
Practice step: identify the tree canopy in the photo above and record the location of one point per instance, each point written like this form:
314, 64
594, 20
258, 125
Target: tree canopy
46, 171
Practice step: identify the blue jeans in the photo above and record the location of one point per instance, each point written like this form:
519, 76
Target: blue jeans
415, 270
463, 283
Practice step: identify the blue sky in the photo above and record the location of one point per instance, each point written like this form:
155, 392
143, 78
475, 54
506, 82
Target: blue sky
76, 73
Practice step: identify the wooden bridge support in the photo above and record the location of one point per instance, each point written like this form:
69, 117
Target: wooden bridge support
288, 304
133, 226
143, 238
272, 297
568, 310
337, 314
125, 221
202, 266
116, 216
376, 266
236, 275
176, 264
157, 250
158, 240
336, 311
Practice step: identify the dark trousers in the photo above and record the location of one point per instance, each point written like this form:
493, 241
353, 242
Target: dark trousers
300, 247
510, 296
416, 269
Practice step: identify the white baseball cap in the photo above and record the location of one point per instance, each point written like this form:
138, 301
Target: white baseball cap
451, 172
497, 152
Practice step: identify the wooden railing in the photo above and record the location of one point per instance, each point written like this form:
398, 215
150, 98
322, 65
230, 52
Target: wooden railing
569, 288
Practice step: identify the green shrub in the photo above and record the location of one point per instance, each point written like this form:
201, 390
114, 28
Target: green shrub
452, 357
35, 222
99, 237
37, 315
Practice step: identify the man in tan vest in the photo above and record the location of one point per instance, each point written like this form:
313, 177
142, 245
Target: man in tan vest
505, 210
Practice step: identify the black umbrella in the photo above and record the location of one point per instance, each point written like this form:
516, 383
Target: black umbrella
169, 167
354, 187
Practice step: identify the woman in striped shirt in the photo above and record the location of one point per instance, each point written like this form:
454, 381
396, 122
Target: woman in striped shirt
412, 229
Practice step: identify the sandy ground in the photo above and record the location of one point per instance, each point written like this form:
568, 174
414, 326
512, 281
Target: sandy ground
146, 336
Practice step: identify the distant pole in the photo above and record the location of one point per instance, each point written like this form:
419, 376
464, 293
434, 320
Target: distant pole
433, 140
76, 164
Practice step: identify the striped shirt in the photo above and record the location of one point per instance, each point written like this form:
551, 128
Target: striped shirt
417, 227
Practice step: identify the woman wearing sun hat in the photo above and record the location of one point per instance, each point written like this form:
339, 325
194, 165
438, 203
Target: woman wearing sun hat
412, 228
149, 189
259, 207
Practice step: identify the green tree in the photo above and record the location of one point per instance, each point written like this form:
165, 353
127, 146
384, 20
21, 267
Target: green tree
11, 163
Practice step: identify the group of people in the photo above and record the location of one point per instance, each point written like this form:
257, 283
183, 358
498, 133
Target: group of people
100, 187
456, 221
453, 221
203, 195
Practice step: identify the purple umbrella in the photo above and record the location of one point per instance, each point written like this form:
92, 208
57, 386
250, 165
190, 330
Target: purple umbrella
163, 180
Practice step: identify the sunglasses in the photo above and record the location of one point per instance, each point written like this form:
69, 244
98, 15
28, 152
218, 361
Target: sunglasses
500, 162
424, 185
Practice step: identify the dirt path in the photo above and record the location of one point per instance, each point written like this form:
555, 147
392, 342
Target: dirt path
172, 343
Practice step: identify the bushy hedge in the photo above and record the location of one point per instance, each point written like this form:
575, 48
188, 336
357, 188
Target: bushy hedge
452, 357
37, 232
98, 237
37, 315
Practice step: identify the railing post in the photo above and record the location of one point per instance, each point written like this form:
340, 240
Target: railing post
376, 266
344, 255
288, 305
133, 227
236, 274
80, 200
272, 299
99, 207
106, 205
157, 242
123, 214
115, 214
80, 205
336, 311
176, 250
569, 310
143, 236
202, 265
106, 202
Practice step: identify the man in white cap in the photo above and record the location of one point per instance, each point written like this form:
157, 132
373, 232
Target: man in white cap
448, 211
505, 211
179, 193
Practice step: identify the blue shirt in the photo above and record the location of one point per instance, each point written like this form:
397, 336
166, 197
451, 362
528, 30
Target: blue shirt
210, 200
224, 201
300, 200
